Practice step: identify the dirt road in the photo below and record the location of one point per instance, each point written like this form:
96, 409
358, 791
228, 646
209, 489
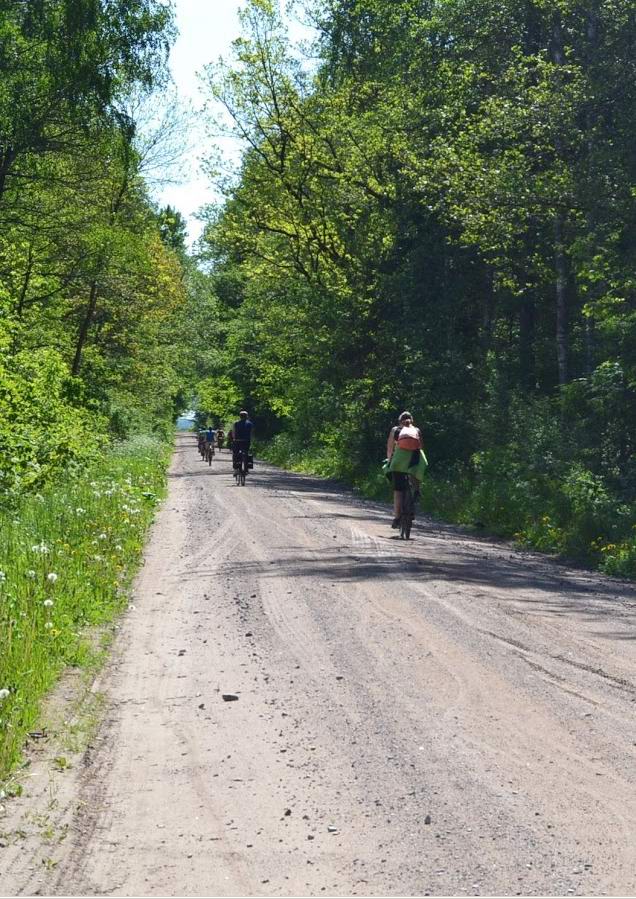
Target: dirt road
433, 718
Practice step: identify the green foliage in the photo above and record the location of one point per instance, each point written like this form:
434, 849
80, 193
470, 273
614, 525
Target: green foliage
91, 297
66, 560
95, 290
41, 430
218, 398
439, 216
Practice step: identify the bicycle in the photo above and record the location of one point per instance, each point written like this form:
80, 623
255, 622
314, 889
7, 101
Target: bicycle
407, 514
209, 453
241, 465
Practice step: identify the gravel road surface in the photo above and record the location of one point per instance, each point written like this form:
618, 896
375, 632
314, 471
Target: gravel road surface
440, 717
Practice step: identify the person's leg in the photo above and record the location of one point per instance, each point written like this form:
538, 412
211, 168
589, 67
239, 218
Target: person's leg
398, 487
415, 484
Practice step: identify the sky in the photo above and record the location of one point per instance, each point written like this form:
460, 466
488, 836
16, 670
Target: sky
206, 31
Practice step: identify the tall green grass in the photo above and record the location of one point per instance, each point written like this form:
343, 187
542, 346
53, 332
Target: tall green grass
67, 556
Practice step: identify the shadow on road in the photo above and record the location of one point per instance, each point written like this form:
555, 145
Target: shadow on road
439, 553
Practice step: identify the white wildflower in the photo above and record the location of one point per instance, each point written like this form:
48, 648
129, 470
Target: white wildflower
80, 511
119, 548
4, 693
48, 625
40, 548
3, 576
48, 603
103, 536
51, 578
30, 574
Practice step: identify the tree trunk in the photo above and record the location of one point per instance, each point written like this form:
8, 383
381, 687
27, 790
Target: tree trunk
596, 289
7, 158
25, 283
526, 342
561, 270
83, 333
590, 346
92, 299
560, 263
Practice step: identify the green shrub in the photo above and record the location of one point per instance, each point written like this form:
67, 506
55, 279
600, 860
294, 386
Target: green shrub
41, 429
619, 558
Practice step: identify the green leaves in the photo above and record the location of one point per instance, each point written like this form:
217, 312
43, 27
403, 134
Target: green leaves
437, 215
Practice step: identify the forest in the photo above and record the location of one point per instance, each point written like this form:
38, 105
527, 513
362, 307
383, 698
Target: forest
435, 211
93, 300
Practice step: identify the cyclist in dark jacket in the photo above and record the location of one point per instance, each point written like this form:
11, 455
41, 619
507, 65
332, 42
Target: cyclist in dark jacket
241, 434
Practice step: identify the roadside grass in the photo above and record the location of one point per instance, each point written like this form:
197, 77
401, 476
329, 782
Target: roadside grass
67, 559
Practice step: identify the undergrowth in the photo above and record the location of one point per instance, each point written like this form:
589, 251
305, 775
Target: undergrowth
66, 561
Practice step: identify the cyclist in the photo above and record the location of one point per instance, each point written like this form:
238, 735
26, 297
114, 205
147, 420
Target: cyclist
241, 436
405, 459
210, 437
201, 437
220, 438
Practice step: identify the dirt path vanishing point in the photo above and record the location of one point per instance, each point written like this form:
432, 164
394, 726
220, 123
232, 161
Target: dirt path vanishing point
443, 717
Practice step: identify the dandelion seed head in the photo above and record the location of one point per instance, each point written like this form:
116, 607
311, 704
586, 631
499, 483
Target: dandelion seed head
4, 693
30, 574
51, 577
41, 548
48, 625
48, 603
3, 576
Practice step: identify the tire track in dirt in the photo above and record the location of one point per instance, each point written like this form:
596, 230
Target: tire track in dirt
437, 717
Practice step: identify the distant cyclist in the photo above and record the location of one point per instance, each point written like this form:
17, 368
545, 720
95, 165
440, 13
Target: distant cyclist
405, 459
241, 435
220, 438
210, 439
